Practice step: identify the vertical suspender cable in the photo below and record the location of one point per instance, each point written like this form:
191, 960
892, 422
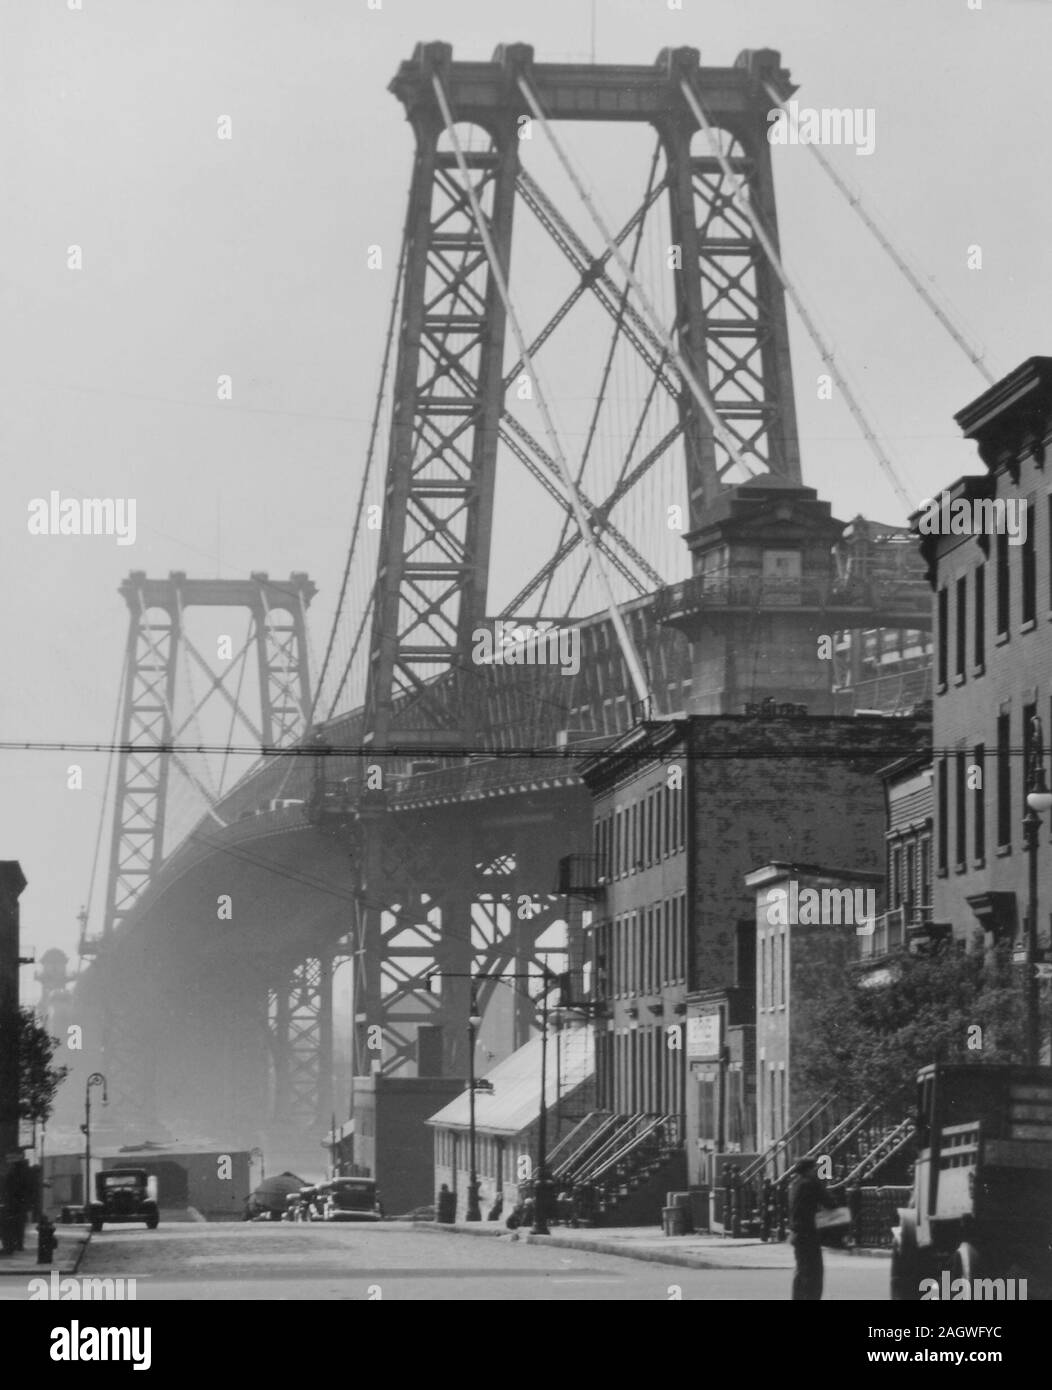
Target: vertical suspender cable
826, 353
631, 656
914, 279
697, 389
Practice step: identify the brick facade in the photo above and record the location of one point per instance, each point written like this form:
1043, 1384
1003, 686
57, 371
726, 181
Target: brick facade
993, 644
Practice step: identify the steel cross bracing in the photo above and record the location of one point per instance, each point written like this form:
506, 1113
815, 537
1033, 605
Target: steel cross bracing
299, 1013
156, 638
449, 410
465, 896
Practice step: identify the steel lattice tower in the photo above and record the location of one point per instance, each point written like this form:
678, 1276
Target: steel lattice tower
431, 587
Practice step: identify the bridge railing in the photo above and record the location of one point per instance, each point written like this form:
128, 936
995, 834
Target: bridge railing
763, 591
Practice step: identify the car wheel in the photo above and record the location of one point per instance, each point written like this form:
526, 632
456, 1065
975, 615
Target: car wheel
96, 1224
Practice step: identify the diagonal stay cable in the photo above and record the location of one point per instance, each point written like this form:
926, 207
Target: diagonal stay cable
914, 280
825, 351
690, 376
604, 379
639, 679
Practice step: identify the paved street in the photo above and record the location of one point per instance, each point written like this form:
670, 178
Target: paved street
401, 1261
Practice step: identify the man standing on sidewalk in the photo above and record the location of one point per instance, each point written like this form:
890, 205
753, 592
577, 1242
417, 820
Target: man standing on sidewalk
807, 1194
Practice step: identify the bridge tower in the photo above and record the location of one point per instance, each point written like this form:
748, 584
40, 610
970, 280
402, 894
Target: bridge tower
450, 413
157, 708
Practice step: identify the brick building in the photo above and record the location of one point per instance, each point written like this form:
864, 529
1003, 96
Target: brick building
684, 810
993, 595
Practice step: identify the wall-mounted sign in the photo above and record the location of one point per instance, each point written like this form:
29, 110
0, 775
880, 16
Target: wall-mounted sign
703, 1035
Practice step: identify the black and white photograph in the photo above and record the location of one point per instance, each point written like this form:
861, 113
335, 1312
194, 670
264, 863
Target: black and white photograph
526, 721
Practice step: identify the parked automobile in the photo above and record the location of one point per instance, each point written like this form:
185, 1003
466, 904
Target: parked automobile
981, 1208
350, 1199
122, 1195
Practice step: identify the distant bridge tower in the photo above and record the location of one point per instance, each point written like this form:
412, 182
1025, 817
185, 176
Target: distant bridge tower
157, 709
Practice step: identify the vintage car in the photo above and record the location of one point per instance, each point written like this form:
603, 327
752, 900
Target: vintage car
981, 1208
124, 1194
350, 1199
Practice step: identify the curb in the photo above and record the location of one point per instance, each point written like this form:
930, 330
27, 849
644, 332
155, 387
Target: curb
603, 1247
684, 1259
68, 1263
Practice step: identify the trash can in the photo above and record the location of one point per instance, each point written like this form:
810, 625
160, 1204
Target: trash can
674, 1220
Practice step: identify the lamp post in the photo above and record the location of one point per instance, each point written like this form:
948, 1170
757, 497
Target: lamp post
95, 1079
542, 1186
474, 1019
1038, 799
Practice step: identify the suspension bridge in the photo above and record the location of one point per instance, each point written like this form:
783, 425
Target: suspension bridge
569, 395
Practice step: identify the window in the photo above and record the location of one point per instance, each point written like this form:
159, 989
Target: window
1029, 711
1004, 781
764, 992
1029, 559
962, 623
925, 871
617, 844
943, 635
979, 804
1003, 591
895, 875
960, 823
980, 616
941, 812
910, 887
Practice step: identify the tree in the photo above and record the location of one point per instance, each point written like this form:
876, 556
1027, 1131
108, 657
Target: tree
869, 1039
38, 1078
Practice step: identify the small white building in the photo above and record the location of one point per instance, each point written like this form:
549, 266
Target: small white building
506, 1117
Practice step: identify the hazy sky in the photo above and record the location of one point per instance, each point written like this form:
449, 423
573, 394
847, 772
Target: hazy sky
247, 257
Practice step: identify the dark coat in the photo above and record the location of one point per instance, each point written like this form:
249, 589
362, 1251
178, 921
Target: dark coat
806, 1195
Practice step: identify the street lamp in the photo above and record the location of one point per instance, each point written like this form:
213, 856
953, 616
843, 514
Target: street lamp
542, 1186
474, 1019
1038, 799
95, 1079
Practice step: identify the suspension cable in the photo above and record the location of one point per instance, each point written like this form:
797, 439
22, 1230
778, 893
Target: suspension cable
825, 351
369, 453
697, 389
111, 760
603, 384
854, 200
628, 649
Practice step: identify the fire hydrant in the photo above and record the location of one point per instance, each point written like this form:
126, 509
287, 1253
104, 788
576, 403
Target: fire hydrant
47, 1239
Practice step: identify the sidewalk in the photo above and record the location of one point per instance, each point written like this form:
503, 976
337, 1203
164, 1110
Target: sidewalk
72, 1242
701, 1251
